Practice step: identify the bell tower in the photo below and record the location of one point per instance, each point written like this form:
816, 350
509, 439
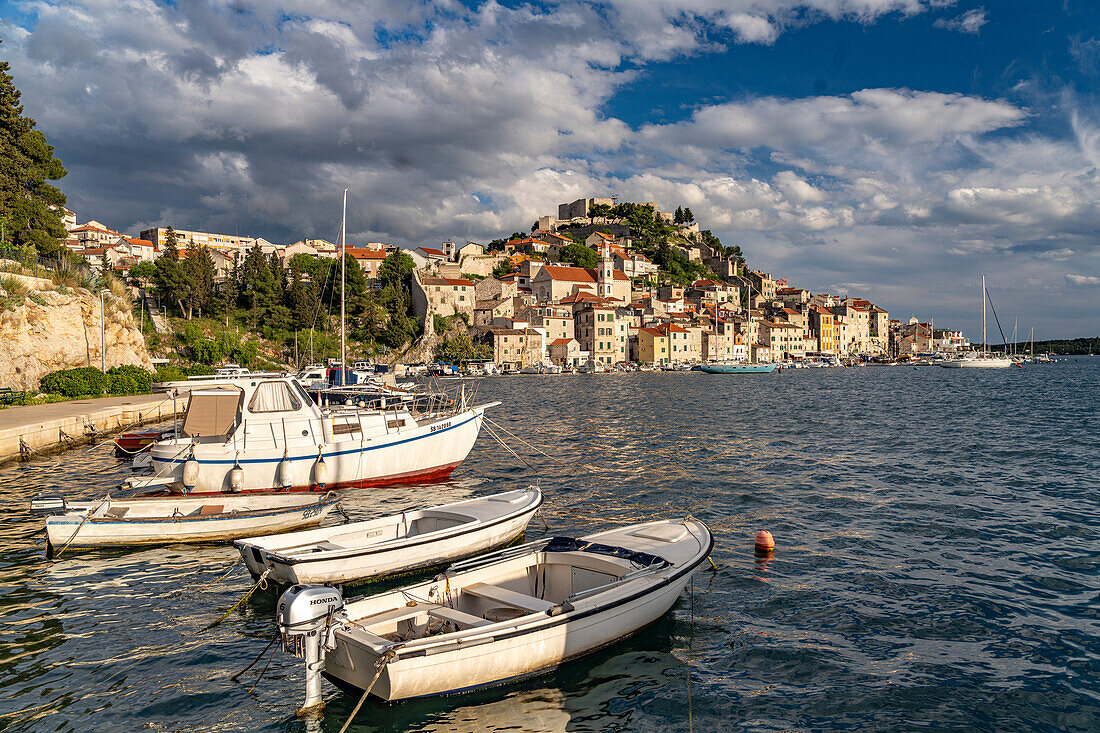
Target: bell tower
606, 271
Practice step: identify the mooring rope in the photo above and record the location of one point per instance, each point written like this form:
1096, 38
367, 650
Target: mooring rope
381, 664
508, 448
526, 443
261, 583
222, 577
258, 658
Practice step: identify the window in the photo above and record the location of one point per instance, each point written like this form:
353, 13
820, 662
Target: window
273, 396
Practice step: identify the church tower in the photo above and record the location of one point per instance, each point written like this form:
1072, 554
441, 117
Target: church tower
606, 272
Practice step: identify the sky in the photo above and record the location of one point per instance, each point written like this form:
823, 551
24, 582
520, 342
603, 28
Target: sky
891, 149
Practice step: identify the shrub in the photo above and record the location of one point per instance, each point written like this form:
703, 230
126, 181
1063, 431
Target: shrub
80, 382
129, 379
439, 323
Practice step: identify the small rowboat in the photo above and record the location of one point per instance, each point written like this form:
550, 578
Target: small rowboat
130, 444
125, 522
399, 543
504, 616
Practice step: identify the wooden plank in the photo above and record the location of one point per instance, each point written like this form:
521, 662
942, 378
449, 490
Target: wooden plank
507, 597
460, 618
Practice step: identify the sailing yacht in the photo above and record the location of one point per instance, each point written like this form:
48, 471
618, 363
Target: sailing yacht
979, 360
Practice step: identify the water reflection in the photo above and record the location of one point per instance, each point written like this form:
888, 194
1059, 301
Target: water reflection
936, 562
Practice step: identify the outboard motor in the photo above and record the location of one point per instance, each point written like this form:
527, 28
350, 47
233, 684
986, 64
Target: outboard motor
304, 620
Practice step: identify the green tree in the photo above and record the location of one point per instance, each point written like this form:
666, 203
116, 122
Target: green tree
688, 216
171, 278
579, 255
29, 204
143, 273
678, 217
199, 271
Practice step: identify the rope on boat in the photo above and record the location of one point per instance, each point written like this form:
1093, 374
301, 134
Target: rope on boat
261, 583
381, 664
50, 555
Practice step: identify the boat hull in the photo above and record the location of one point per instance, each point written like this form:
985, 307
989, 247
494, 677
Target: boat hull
425, 453
512, 650
74, 529
977, 364
738, 368
387, 557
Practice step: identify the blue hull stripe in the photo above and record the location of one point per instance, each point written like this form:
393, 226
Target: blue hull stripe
312, 457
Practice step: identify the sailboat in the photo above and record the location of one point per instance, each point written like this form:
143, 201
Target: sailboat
982, 359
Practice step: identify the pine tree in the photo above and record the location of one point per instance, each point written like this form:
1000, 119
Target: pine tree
688, 216
29, 206
678, 217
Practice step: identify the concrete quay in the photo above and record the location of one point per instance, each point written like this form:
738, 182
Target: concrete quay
26, 431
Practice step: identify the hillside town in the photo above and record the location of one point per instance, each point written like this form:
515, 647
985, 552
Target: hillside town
531, 299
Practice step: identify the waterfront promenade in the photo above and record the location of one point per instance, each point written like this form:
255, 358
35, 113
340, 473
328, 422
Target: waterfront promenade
38, 429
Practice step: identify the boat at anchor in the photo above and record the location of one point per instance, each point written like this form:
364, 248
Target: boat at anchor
394, 544
265, 432
504, 616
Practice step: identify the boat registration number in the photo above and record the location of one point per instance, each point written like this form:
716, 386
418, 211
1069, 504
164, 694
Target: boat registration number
312, 511
441, 426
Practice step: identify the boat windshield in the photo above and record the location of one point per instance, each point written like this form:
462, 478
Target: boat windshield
274, 396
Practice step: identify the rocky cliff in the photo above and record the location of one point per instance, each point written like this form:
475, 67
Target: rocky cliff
43, 329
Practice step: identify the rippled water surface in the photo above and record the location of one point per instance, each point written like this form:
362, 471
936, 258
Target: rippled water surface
937, 566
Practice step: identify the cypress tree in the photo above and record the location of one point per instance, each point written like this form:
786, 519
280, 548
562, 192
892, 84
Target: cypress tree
30, 207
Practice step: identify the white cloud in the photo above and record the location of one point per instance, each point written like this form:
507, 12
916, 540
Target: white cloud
1083, 281
207, 116
969, 22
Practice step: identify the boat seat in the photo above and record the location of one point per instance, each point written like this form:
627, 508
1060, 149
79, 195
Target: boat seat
458, 618
326, 545
507, 597
117, 512
396, 615
211, 509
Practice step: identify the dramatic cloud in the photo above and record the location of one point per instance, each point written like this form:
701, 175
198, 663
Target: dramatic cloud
452, 121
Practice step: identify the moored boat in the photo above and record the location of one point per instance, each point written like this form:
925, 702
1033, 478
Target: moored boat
504, 616
398, 543
125, 522
265, 432
738, 368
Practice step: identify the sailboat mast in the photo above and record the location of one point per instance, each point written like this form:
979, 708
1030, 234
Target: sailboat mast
984, 347
343, 268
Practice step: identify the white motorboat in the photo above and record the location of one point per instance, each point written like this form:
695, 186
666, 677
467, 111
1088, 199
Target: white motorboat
512, 614
265, 431
399, 543
124, 522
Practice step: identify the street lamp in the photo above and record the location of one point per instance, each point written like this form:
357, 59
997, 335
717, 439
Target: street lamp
102, 332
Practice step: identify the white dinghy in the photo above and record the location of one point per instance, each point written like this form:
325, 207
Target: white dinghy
511, 614
399, 543
124, 522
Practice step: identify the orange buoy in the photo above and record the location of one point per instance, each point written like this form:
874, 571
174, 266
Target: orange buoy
764, 542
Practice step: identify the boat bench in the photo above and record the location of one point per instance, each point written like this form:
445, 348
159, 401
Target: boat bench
507, 597
458, 618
